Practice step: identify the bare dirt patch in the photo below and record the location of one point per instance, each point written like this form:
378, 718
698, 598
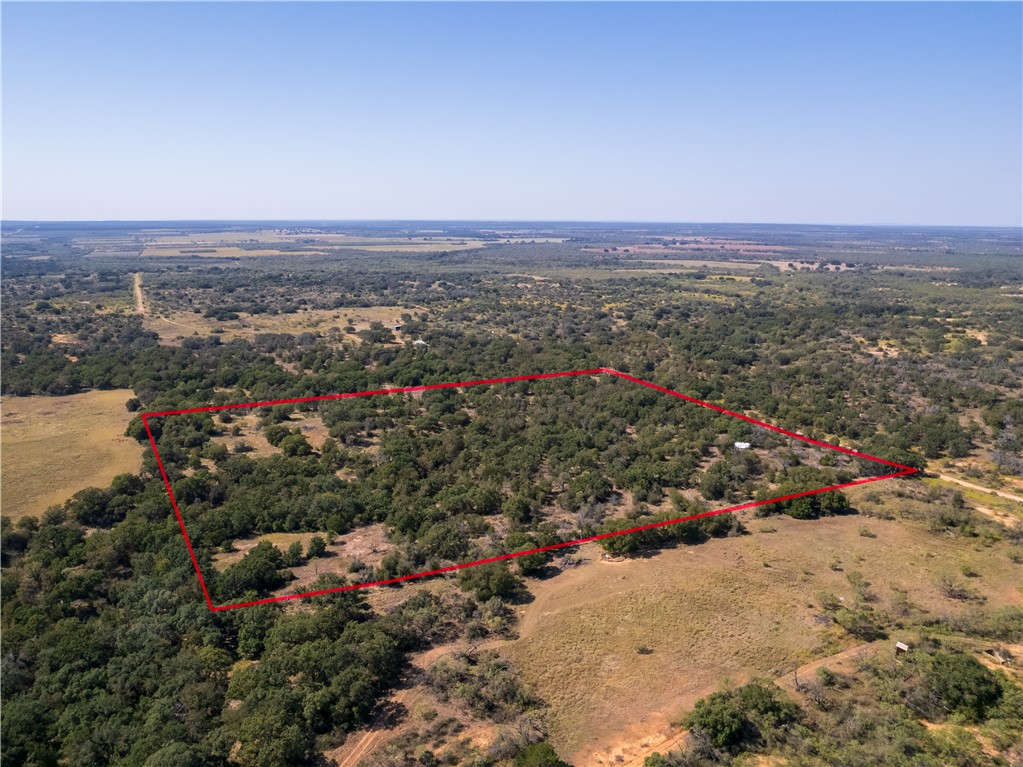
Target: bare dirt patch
140, 304
250, 437
413, 708
367, 544
314, 430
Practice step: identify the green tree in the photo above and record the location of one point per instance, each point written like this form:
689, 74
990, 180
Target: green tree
293, 556
493, 579
963, 685
720, 719
539, 755
317, 547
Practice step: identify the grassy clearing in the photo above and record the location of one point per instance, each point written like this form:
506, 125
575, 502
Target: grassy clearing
223, 559
56, 446
368, 544
228, 244
215, 238
174, 326
400, 246
676, 264
619, 650
250, 434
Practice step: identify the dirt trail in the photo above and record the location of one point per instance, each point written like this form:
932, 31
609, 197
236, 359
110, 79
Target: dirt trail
378, 730
1002, 517
981, 488
140, 304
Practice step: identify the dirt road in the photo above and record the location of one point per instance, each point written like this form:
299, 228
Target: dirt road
140, 304
376, 734
981, 488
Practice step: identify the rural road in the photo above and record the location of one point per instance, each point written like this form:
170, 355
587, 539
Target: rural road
981, 488
140, 305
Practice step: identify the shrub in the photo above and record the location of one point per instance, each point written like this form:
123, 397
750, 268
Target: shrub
963, 686
317, 547
720, 719
489, 581
539, 755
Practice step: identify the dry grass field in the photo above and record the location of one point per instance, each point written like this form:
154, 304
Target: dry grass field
174, 326
680, 264
228, 244
56, 446
250, 434
227, 251
702, 263
620, 649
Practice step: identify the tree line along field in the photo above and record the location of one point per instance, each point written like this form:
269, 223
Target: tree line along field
104, 621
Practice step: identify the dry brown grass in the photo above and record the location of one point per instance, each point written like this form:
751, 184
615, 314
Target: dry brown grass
226, 244
251, 434
368, 544
174, 326
701, 264
223, 559
56, 446
783, 266
188, 251
721, 612
413, 708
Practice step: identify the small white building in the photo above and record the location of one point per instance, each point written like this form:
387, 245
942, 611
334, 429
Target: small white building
419, 342
743, 445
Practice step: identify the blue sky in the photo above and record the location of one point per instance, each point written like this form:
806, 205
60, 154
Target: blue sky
766, 112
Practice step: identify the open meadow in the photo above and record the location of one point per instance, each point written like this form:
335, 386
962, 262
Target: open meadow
56, 446
621, 649
175, 326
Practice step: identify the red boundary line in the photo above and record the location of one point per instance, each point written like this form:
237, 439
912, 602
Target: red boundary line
904, 470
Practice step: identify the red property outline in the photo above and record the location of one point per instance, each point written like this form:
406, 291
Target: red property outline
905, 470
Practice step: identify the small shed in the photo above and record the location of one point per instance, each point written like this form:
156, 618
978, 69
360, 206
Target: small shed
901, 648
743, 445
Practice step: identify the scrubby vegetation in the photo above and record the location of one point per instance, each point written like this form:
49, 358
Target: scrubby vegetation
110, 655
935, 705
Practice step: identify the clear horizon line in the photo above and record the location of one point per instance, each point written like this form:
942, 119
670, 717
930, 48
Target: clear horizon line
6, 222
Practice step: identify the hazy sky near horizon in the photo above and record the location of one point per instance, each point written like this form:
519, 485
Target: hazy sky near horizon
870, 113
